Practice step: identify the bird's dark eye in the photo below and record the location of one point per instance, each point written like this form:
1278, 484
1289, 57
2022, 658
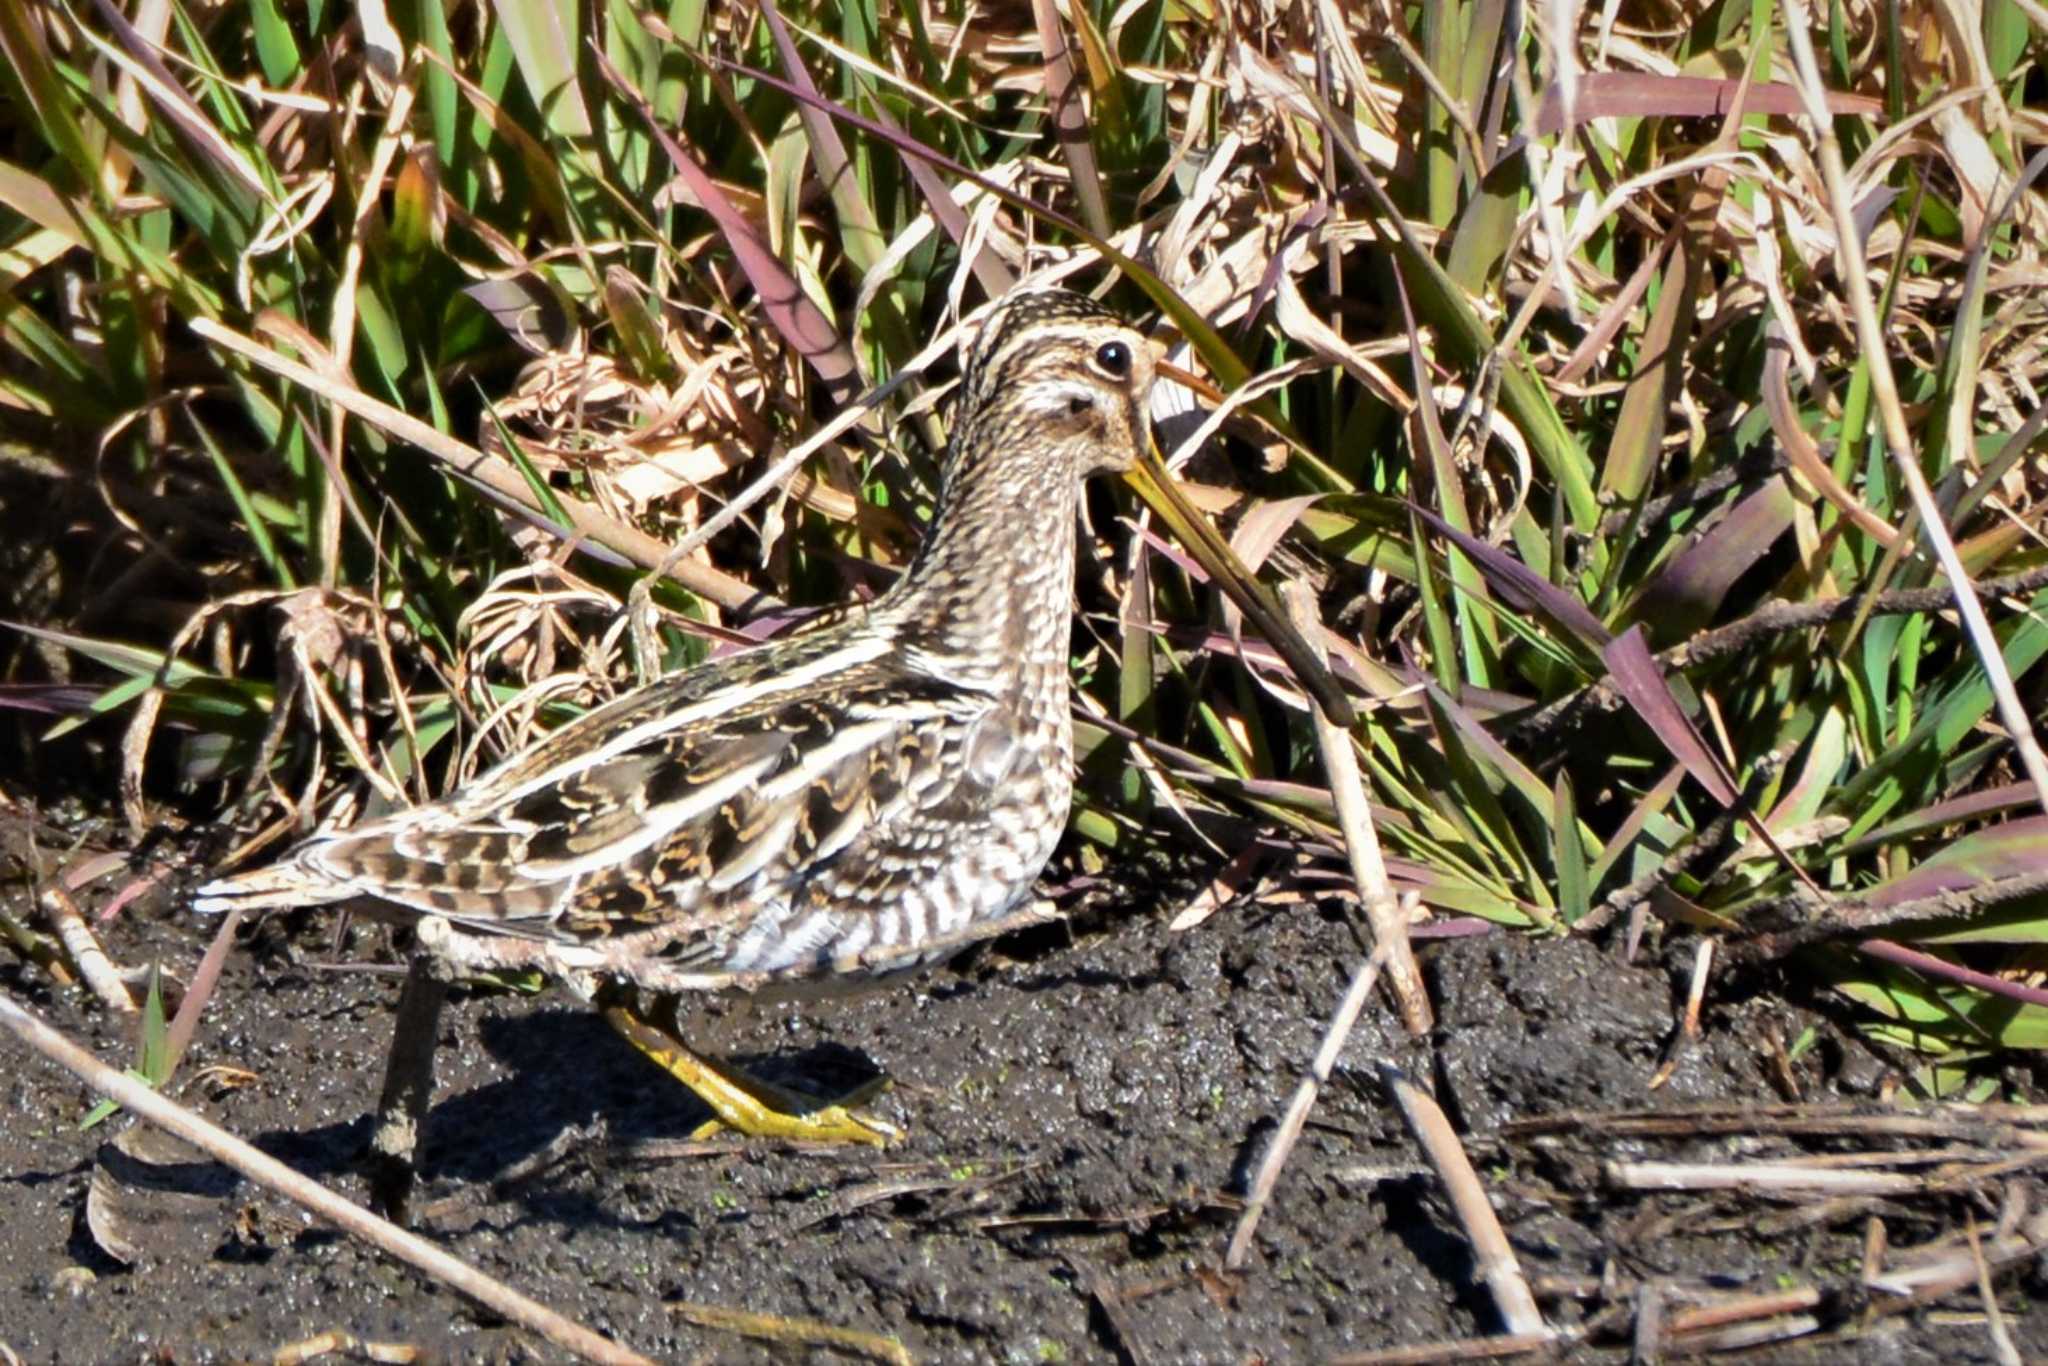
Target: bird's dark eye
1115, 358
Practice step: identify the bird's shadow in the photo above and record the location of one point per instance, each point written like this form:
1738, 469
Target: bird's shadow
565, 1068
567, 1072
574, 1092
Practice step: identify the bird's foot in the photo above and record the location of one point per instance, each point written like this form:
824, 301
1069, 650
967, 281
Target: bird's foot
747, 1104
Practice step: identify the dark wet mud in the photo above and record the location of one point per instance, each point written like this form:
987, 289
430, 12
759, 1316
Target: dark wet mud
1083, 1108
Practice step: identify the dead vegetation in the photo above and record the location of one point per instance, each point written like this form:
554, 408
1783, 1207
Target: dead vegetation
1646, 402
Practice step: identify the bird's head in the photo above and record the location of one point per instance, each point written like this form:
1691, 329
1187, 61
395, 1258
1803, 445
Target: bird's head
1061, 372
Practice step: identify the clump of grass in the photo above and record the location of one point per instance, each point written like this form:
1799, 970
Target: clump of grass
434, 383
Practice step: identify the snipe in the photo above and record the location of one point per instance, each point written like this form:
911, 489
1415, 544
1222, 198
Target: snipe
848, 801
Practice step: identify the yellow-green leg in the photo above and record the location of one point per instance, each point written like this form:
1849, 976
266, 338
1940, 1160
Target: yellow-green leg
747, 1104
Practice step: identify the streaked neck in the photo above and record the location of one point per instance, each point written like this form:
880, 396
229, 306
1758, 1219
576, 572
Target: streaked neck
992, 587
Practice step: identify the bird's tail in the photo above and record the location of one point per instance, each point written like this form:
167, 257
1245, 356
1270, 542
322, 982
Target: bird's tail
280, 886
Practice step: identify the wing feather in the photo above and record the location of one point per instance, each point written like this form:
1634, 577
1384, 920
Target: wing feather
726, 789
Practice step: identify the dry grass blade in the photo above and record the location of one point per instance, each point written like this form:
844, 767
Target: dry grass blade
800, 321
1600, 251
82, 946
1848, 246
788, 1332
199, 990
1289, 1132
268, 1172
1069, 118
1498, 1266
493, 475
1384, 910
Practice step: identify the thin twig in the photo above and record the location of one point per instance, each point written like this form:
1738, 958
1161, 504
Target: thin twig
84, 950
2002, 1349
1304, 1098
1647, 1343
1958, 1267
1740, 1336
1760, 1178
1987, 1125
268, 1172
1498, 1266
1354, 817
1852, 916
793, 1332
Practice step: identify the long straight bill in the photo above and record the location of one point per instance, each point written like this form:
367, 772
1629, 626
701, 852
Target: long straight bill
1156, 486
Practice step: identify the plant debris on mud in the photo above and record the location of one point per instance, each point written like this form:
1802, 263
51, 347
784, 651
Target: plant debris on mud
1081, 1104
1639, 406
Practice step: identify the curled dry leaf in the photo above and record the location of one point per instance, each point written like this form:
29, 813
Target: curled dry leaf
649, 447
155, 1197
646, 446
536, 620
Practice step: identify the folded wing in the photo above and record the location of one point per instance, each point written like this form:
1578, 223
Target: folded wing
713, 799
